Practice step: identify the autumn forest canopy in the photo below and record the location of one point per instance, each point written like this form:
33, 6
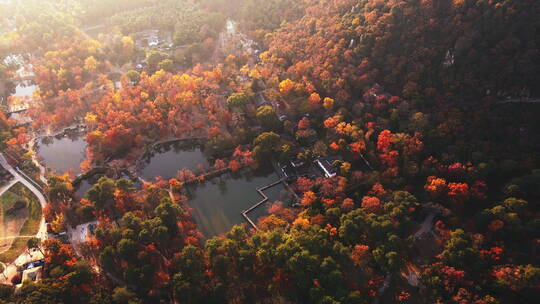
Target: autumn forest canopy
270, 151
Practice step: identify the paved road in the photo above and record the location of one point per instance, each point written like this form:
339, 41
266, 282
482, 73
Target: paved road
7, 186
16, 236
11, 269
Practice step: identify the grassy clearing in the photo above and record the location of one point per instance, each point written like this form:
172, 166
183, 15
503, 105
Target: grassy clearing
30, 226
17, 247
8, 200
5, 176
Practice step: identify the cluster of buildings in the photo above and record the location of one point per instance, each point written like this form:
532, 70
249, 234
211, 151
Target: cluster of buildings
153, 38
31, 271
325, 166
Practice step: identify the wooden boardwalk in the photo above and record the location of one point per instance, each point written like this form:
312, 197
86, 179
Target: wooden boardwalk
264, 200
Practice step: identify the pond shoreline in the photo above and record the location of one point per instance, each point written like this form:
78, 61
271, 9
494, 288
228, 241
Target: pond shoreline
34, 146
205, 179
218, 203
185, 146
264, 200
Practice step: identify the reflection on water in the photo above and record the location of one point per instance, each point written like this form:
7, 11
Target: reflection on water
166, 159
63, 152
85, 184
83, 187
217, 204
275, 193
24, 89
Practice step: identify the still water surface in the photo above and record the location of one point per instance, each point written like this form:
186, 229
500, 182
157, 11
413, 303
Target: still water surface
63, 152
166, 160
25, 89
217, 204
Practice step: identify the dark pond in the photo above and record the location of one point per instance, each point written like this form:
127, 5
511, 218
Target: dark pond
83, 187
87, 183
217, 204
167, 159
274, 193
63, 152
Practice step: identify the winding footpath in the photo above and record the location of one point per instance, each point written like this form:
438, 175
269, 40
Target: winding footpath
27, 256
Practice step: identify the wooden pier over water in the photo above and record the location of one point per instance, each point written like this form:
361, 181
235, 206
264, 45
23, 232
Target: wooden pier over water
264, 200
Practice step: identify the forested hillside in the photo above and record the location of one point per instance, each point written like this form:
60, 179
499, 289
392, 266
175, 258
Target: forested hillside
411, 127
